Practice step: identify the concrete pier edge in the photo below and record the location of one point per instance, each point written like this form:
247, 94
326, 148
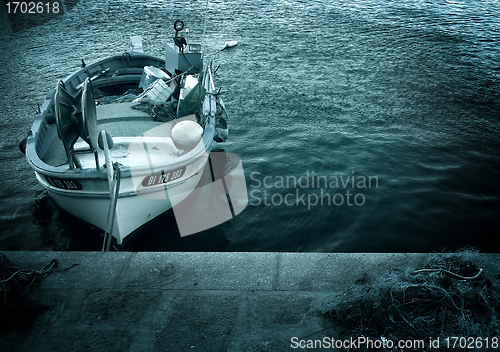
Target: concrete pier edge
191, 301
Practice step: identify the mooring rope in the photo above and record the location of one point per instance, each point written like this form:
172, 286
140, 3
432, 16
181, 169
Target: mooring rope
17, 281
451, 273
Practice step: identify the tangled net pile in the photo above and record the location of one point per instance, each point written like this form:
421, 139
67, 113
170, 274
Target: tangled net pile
15, 282
159, 112
451, 296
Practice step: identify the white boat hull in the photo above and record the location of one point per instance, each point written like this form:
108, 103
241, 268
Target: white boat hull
132, 210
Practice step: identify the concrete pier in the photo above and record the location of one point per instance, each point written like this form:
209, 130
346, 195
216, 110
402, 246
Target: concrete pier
173, 301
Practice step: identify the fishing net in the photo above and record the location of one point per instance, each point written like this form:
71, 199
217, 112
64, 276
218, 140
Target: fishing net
15, 282
16, 313
452, 296
159, 112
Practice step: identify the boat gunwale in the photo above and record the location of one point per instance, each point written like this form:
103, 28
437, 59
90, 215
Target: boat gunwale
122, 194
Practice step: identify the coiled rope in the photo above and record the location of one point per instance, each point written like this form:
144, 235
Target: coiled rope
16, 282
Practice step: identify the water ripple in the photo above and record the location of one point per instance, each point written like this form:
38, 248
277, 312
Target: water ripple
403, 91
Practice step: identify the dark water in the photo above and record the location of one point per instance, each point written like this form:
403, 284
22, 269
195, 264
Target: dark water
403, 94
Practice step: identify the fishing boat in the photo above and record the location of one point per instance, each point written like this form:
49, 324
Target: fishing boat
122, 140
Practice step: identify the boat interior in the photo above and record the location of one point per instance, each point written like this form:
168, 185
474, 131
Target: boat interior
139, 132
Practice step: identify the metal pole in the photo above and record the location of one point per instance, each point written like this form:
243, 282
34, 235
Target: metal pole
205, 26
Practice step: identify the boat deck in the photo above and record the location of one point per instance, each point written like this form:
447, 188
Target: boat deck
123, 120
133, 131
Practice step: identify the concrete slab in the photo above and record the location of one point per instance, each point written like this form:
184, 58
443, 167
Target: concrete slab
271, 319
210, 323
200, 271
333, 271
187, 301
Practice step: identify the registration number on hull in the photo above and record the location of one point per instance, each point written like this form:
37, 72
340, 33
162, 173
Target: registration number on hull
163, 177
64, 184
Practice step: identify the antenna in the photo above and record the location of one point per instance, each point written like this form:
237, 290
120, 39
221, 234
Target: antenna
205, 26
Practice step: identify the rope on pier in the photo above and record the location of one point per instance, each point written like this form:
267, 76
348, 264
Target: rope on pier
16, 282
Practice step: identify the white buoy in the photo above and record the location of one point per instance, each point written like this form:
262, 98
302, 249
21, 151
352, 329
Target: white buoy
230, 44
187, 134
